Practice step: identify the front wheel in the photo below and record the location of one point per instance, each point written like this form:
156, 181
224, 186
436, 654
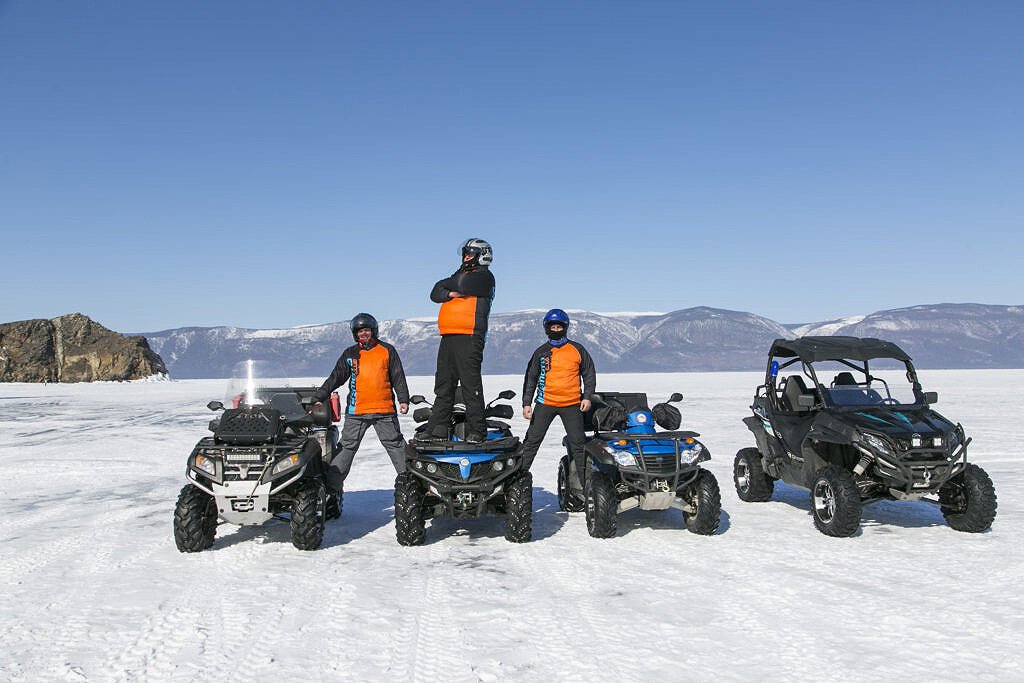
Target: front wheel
519, 509
335, 504
410, 524
835, 502
568, 500
706, 502
969, 500
308, 514
601, 505
752, 483
195, 520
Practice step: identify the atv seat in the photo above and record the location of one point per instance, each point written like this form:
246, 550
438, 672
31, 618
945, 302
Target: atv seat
794, 389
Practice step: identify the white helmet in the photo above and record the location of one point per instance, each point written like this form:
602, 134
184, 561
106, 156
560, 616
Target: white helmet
479, 247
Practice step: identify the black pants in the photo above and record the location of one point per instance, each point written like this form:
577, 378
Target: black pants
459, 358
572, 420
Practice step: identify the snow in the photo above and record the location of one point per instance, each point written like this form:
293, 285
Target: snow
94, 589
828, 328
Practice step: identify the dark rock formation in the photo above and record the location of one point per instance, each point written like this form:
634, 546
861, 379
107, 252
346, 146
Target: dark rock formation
72, 348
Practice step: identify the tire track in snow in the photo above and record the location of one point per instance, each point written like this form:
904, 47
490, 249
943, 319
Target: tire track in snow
48, 551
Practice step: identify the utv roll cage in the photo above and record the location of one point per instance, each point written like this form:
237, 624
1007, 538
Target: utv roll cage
795, 396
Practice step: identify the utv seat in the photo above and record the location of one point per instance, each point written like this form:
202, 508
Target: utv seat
795, 388
844, 379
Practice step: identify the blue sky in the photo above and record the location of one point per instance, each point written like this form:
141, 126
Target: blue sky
267, 164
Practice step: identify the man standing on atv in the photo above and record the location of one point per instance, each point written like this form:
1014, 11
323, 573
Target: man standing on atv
554, 373
465, 300
375, 376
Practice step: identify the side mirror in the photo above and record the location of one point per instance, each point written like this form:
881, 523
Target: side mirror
215, 405
417, 399
931, 397
805, 401
507, 394
676, 397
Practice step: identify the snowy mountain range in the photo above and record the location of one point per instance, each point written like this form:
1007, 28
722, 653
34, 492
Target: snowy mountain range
692, 339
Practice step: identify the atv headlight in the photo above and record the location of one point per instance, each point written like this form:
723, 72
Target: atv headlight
877, 443
285, 464
690, 455
624, 458
498, 466
207, 465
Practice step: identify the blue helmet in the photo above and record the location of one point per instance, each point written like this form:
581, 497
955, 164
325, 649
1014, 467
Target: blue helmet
556, 315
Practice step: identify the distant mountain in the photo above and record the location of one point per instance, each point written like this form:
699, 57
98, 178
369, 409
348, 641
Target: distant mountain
702, 338
942, 335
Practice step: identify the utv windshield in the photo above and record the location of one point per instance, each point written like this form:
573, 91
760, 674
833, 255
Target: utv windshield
251, 383
851, 386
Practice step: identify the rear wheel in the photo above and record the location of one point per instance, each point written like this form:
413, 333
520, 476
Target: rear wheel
969, 500
409, 522
308, 514
835, 502
195, 520
706, 500
601, 505
568, 500
519, 509
752, 483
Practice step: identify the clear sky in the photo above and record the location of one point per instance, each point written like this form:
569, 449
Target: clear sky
266, 164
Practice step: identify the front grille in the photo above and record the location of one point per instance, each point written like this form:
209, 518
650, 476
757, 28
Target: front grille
660, 463
235, 472
450, 470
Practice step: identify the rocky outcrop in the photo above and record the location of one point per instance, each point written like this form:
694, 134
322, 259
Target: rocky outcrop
73, 348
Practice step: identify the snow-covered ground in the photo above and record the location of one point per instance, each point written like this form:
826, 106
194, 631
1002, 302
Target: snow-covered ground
94, 589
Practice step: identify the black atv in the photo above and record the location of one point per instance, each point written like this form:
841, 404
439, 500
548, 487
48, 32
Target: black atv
630, 464
266, 459
459, 479
857, 440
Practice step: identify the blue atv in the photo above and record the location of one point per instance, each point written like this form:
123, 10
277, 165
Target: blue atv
459, 479
630, 464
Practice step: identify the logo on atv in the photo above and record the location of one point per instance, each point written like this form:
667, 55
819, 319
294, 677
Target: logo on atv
641, 418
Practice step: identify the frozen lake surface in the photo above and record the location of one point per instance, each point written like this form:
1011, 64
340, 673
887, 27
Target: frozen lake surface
94, 589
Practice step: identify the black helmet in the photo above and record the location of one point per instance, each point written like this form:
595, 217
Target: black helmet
363, 320
478, 247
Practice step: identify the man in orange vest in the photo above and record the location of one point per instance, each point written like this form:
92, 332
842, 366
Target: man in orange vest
554, 374
465, 300
375, 376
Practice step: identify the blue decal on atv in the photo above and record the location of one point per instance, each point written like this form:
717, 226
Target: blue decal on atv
465, 461
775, 369
650, 446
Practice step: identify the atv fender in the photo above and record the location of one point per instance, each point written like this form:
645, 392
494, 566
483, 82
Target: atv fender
599, 458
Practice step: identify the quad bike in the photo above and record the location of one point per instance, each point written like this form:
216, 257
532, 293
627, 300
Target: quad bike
267, 459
